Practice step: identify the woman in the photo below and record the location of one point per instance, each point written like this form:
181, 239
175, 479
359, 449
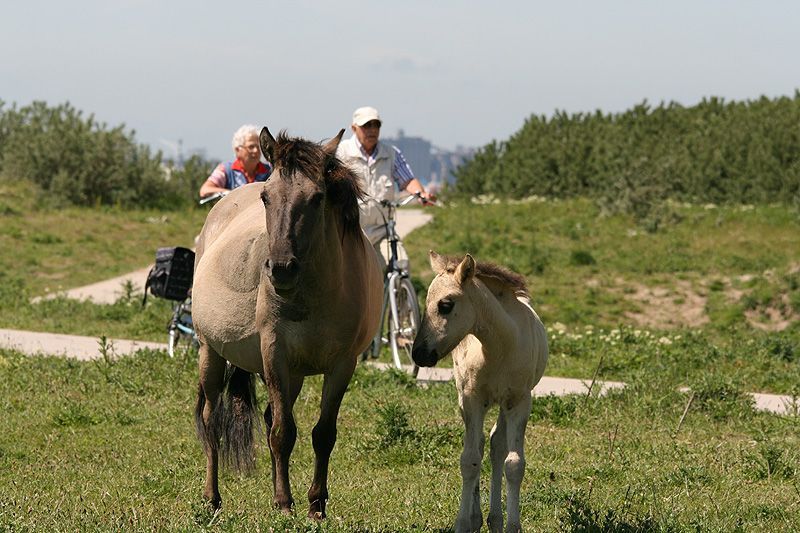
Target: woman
246, 168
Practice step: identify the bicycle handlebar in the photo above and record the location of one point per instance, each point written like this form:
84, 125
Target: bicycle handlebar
407, 200
213, 197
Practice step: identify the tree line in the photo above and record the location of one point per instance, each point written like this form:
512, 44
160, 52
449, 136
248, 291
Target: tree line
715, 151
75, 160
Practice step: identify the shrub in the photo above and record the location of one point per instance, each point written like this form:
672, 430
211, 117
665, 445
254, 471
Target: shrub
76, 160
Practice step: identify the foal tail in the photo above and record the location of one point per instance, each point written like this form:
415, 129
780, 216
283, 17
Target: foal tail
233, 420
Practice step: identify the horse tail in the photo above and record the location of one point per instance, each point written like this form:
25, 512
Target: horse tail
238, 421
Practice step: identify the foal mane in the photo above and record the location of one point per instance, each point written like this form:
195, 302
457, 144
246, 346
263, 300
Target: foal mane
486, 269
294, 154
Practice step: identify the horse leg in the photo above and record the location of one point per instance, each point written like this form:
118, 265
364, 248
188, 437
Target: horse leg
212, 379
268, 426
473, 411
324, 436
517, 422
283, 389
498, 450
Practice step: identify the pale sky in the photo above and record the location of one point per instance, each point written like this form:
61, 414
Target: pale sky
453, 72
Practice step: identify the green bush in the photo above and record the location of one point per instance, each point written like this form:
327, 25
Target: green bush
74, 160
715, 151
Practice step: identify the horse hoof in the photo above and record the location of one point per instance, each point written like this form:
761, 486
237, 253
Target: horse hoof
316, 511
213, 500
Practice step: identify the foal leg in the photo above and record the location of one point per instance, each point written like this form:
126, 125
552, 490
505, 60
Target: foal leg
498, 450
473, 411
212, 379
517, 422
324, 436
283, 389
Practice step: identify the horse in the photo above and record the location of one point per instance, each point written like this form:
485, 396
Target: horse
481, 312
285, 286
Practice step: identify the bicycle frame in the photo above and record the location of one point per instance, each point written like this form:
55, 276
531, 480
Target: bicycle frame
393, 281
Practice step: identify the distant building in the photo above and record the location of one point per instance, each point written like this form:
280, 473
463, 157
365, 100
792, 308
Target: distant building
433, 166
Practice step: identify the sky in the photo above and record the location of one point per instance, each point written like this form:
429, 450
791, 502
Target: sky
454, 72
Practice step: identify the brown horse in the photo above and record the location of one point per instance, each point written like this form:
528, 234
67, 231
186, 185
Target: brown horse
297, 296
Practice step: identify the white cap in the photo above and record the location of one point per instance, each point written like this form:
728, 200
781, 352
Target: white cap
362, 115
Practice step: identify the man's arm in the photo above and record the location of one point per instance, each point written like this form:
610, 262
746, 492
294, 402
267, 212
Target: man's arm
404, 176
215, 182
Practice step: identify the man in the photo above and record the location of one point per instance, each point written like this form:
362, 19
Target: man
381, 168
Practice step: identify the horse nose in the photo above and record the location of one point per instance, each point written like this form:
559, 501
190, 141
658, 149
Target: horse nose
283, 274
423, 356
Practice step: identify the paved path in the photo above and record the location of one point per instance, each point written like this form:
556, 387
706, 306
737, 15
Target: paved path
88, 348
74, 346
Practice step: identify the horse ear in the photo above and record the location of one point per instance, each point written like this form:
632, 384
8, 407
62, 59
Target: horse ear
267, 142
438, 264
331, 146
465, 269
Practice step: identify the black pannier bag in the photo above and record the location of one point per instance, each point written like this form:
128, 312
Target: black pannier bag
171, 276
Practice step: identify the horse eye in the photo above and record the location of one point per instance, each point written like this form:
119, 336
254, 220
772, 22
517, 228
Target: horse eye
445, 306
265, 198
330, 166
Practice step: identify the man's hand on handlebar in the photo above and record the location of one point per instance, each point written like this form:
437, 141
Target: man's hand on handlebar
213, 197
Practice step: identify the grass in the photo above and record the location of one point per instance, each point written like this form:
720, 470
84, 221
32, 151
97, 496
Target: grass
584, 272
580, 265
110, 445
58, 249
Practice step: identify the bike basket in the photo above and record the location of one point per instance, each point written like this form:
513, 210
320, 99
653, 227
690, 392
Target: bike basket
171, 276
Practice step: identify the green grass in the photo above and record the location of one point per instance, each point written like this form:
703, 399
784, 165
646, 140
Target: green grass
110, 445
583, 270
58, 249
580, 264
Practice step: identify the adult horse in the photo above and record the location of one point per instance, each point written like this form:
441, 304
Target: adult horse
481, 312
296, 296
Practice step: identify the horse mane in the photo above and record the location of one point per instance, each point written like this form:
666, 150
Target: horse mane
486, 269
293, 154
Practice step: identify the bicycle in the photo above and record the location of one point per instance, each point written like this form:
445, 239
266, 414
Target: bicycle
180, 324
400, 314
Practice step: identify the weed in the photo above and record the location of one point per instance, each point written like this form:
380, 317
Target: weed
781, 347
557, 410
75, 414
719, 398
769, 460
392, 425
581, 258
581, 516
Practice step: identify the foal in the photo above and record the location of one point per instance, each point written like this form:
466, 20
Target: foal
482, 314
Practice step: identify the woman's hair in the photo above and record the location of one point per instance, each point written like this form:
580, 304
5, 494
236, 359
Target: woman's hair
242, 134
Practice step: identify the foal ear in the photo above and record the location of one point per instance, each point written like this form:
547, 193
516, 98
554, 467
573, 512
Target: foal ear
466, 269
438, 264
267, 142
331, 146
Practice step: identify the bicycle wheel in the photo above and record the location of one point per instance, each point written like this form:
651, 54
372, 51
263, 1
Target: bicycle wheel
404, 322
181, 327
